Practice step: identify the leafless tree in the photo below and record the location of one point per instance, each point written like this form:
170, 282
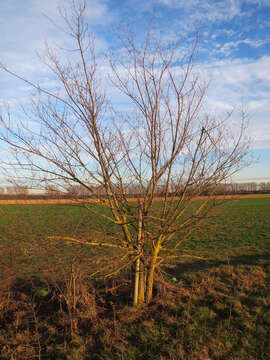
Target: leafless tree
77, 191
164, 147
18, 190
51, 190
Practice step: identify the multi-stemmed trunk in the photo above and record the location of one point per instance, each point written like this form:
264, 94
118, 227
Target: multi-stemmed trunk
144, 281
144, 275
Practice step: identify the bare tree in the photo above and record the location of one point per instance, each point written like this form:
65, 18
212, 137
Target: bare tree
75, 191
165, 147
18, 190
52, 191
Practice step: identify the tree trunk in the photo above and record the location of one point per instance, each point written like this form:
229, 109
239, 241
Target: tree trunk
136, 282
138, 261
141, 284
150, 280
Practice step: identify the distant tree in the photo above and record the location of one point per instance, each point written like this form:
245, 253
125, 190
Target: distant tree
165, 141
73, 191
52, 191
18, 190
263, 186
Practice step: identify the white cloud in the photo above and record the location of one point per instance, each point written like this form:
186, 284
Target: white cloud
25, 26
197, 12
228, 47
207, 10
237, 83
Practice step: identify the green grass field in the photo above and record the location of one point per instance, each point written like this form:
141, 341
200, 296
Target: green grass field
217, 307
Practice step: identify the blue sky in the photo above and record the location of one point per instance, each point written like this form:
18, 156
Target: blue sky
233, 52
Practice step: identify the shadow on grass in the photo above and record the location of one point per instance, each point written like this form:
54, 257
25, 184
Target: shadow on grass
36, 322
204, 265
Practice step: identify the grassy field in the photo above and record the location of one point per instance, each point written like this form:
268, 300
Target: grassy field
217, 307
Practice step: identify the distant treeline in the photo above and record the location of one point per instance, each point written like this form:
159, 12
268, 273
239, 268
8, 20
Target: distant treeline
244, 188
20, 193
